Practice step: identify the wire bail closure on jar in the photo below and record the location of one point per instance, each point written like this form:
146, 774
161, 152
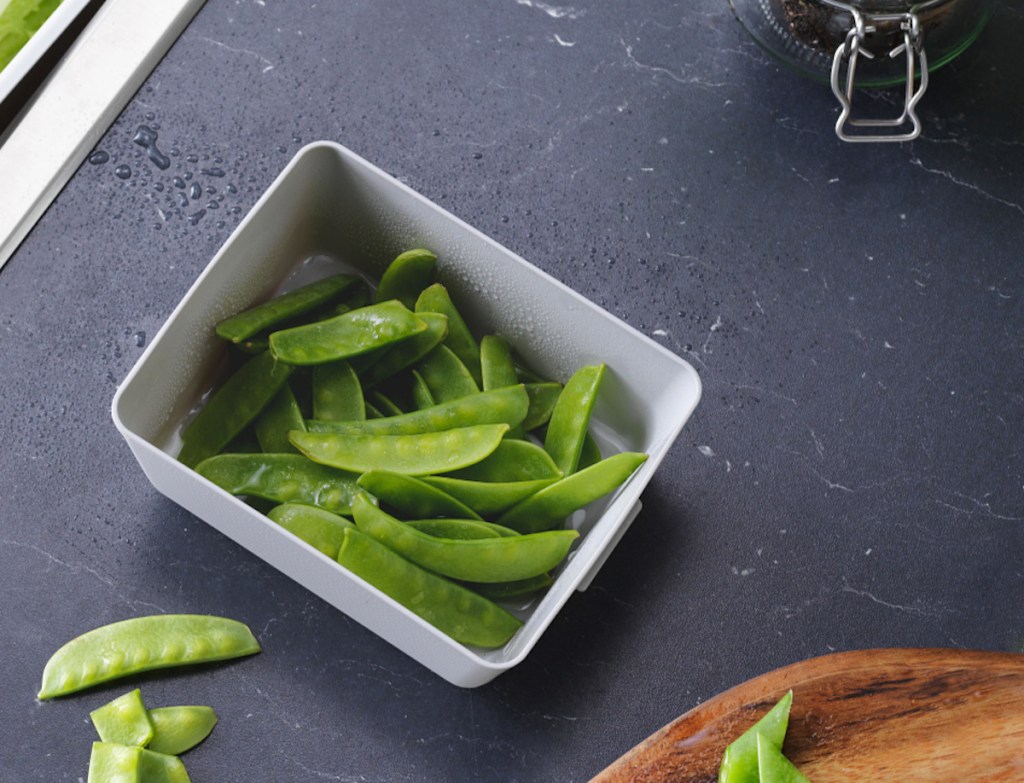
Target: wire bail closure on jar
849, 52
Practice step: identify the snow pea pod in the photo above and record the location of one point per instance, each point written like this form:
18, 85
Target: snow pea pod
318, 527
501, 559
407, 276
506, 591
351, 334
282, 478
445, 375
419, 392
571, 417
337, 393
247, 323
110, 762
543, 397
141, 644
499, 406
281, 415
413, 497
232, 407
160, 768
454, 610
418, 455
549, 507
460, 528
513, 460
180, 728
435, 299
396, 358
488, 498
497, 368
124, 720
388, 407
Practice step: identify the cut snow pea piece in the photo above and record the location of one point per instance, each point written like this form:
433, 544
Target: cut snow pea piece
123, 720
571, 417
513, 460
160, 768
502, 559
406, 353
739, 762
549, 507
282, 478
435, 299
180, 728
407, 276
111, 762
141, 644
445, 375
773, 767
318, 527
418, 455
351, 334
413, 497
460, 528
454, 610
232, 407
281, 416
499, 406
282, 308
337, 393
488, 498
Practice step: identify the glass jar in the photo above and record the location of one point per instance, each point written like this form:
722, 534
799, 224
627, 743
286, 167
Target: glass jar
866, 43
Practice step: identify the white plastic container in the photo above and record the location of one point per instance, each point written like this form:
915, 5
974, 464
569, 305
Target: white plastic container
330, 203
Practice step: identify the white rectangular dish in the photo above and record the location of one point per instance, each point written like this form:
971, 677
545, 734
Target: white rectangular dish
330, 203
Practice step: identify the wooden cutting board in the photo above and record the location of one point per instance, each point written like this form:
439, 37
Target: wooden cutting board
869, 716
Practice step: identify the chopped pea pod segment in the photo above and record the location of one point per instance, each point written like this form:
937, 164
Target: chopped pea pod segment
344, 336
418, 455
247, 323
501, 559
282, 478
111, 762
160, 768
451, 608
498, 406
179, 728
548, 508
142, 644
232, 407
124, 720
740, 760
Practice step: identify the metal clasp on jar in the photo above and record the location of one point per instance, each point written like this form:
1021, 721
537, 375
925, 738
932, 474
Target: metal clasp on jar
912, 47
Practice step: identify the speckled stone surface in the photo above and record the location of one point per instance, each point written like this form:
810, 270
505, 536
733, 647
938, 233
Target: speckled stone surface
853, 477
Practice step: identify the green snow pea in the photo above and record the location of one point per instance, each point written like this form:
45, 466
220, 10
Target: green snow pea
396, 358
417, 455
773, 767
506, 591
283, 478
497, 368
419, 392
549, 507
513, 460
407, 276
543, 397
160, 768
388, 407
571, 417
372, 412
435, 299
502, 559
343, 336
454, 610
319, 528
232, 407
460, 528
337, 393
110, 762
141, 644
281, 415
124, 720
445, 375
488, 498
412, 497
498, 406
590, 454
739, 762
281, 308
180, 728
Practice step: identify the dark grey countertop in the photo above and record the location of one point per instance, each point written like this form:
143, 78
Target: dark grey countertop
853, 477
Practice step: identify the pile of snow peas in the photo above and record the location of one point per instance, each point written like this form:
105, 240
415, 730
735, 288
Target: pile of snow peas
375, 426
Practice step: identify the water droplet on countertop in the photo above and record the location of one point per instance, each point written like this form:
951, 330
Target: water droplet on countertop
178, 183
192, 158
213, 205
477, 155
123, 171
195, 191
140, 339
213, 172
98, 157
146, 138
195, 217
